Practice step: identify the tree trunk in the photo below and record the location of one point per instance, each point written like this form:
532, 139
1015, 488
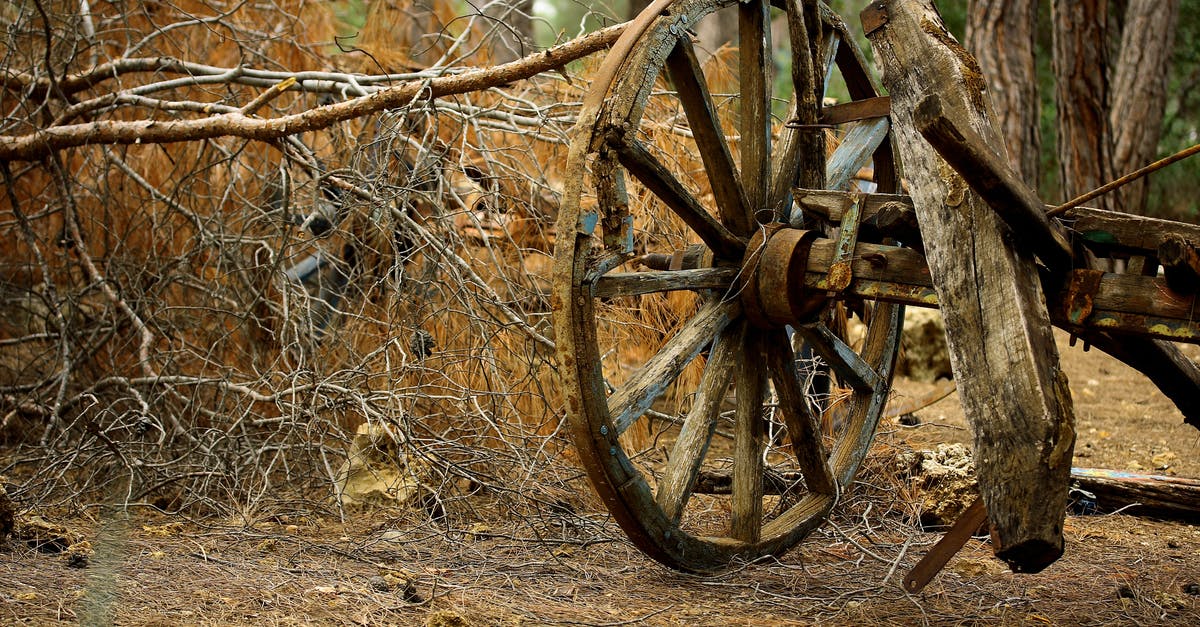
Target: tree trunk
1002, 36
511, 31
1139, 93
1081, 96
716, 31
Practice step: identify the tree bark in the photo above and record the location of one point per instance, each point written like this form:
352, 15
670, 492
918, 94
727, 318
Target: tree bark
1139, 93
997, 327
1081, 96
1002, 36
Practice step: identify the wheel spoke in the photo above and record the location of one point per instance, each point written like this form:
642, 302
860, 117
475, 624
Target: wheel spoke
638, 283
832, 40
663, 184
861, 86
645, 386
861, 141
849, 367
800, 155
865, 409
802, 425
675, 485
755, 82
749, 442
697, 103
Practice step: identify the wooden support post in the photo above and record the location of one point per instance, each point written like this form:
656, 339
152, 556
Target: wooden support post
997, 327
990, 176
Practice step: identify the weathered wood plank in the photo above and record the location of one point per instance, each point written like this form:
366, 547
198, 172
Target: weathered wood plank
620, 284
1105, 230
746, 484
860, 143
1123, 232
800, 155
675, 484
697, 103
877, 107
1150, 495
755, 120
882, 215
997, 326
640, 391
990, 176
849, 367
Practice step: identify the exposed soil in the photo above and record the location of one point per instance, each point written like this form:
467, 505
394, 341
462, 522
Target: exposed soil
1122, 421
575, 568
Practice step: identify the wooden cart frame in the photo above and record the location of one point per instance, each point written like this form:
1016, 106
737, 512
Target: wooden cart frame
780, 249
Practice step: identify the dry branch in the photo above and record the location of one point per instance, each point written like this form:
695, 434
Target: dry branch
42, 142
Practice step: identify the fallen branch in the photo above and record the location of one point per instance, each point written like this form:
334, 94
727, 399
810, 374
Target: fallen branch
1145, 495
236, 124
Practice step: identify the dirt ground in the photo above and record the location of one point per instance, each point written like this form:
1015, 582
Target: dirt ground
562, 567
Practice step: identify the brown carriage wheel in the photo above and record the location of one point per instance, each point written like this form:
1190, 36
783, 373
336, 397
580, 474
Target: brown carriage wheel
776, 494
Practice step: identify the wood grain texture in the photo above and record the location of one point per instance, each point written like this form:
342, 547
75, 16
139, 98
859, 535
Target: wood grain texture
997, 327
642, 388
688, 79
749, 443
691, 445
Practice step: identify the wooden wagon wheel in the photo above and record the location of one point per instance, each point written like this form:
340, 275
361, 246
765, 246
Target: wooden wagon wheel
727, 253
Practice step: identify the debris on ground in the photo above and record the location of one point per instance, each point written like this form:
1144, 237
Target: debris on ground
944, 482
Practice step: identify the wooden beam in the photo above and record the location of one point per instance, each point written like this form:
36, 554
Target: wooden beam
1122, 232
1149, 495
877, 107
990, 176
997, 327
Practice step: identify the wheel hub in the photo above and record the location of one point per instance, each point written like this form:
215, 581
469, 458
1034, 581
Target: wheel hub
772, 292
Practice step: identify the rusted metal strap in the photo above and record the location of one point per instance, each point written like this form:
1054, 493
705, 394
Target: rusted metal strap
839, 271
936, 559
1082, 286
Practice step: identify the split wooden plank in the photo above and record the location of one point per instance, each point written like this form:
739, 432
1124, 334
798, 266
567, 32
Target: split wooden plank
997, 326
1180, 263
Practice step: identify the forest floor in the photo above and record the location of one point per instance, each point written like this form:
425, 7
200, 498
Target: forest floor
575, 567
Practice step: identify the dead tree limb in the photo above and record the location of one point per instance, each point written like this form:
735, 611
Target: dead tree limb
235, 124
